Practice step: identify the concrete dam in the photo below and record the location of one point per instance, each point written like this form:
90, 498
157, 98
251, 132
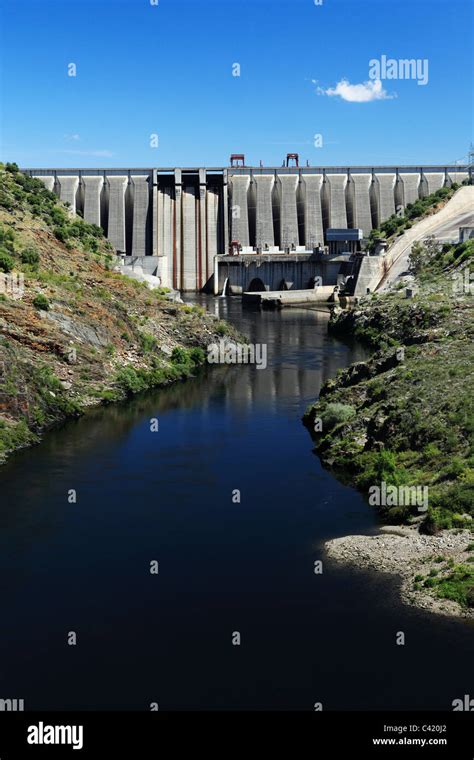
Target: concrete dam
183, 224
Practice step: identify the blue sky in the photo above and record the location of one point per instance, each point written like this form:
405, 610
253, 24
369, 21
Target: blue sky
167, 69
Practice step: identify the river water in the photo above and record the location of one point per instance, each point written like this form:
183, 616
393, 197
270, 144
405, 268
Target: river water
224, 567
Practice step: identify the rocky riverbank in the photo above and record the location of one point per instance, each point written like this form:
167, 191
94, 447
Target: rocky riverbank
429, 566
74, 333
400, 428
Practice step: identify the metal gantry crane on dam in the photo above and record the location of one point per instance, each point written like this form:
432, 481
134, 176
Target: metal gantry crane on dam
176, 221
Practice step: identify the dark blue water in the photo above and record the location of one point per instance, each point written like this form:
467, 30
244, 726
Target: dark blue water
223, 567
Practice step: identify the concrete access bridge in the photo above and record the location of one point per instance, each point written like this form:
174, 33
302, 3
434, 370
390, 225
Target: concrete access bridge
175, 221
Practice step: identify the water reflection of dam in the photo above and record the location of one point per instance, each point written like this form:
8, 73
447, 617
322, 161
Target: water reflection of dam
175, 221
305, 335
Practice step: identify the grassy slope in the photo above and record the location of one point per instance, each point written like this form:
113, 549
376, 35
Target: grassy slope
81, 333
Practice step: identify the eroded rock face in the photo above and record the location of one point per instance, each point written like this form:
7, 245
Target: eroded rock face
81, 331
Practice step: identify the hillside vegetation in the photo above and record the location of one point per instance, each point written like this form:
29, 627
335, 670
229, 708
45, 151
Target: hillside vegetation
406, 416
73, 332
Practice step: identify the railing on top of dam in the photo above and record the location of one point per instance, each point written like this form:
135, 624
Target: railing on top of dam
244, 170
259, 169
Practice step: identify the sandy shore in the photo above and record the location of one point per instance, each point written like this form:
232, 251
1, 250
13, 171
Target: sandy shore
405, 552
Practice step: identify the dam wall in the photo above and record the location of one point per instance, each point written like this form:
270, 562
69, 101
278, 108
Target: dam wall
184, 217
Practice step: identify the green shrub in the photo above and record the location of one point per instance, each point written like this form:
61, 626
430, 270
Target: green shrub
335, 414
397, 515
131, 380
29, 256
148, 343
431, 451
41, 302
453, 469
7, 238
180, 356
458, 586
58, 216
186, 359
380, 466
108, 396
197, 355
15, 435
6, 262
460, 498
61, 234
222, 328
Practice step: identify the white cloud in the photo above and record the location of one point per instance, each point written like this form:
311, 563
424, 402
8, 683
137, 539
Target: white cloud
357, 93
74, 137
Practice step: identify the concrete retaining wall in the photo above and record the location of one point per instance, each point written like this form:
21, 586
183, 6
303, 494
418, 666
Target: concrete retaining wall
371, 271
